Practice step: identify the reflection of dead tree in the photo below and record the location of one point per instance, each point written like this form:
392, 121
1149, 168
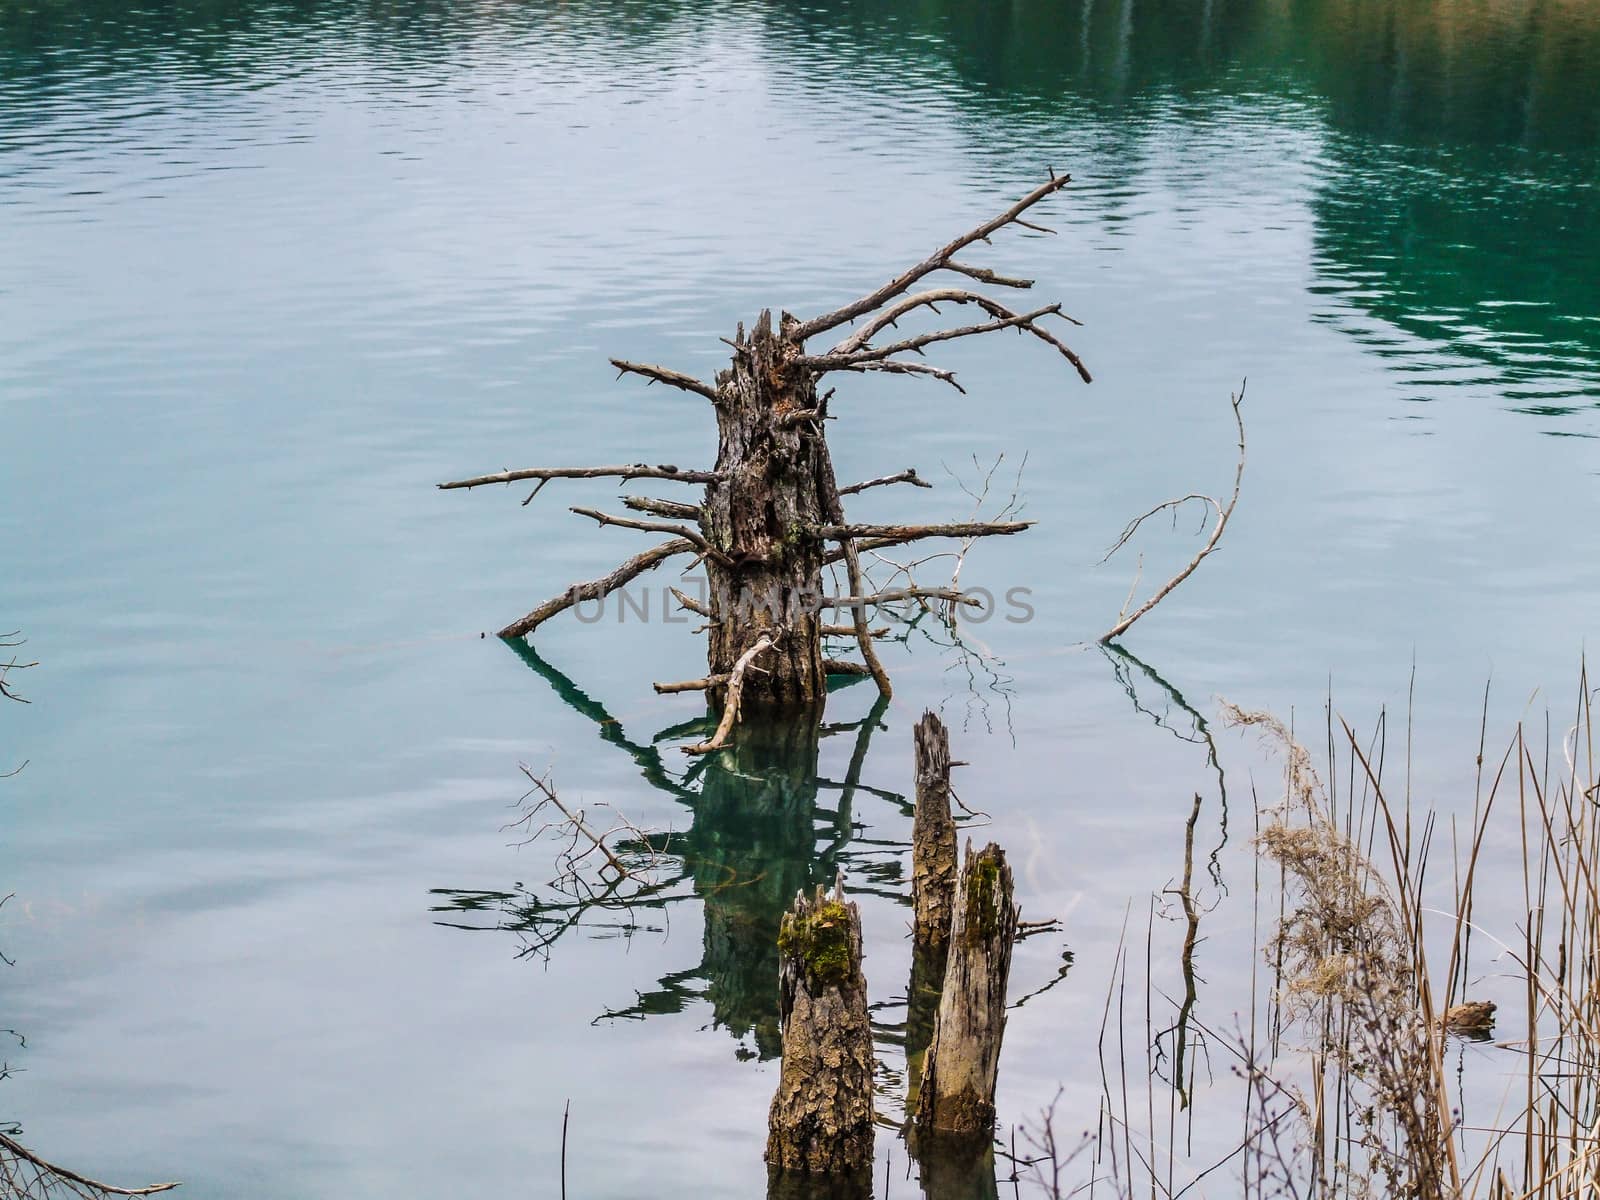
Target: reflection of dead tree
627, 877
772, 515
574, 830
764, 824
1223, 513
24, 1174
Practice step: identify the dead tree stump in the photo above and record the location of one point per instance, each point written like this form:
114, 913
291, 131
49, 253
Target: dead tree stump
933, 835
771, 517
958, 1074
821, 1117
933, 885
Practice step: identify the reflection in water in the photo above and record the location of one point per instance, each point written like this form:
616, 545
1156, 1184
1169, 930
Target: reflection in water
1453, 146
765, 825
1132, 673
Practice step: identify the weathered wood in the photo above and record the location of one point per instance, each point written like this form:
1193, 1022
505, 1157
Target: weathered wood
767, 493
933, 836
821, 1117
958, 1076
597, 589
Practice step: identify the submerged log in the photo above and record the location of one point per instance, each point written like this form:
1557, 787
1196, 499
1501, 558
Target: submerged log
963, 1059
821, 1117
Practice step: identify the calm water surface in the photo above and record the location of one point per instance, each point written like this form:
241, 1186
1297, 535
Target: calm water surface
269, 271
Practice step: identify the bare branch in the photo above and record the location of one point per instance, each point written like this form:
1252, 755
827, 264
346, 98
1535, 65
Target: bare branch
889, 367
833, 508
984, 275
663, 508
683, 531
575, 820
16, 1150
893, 594
691, 604
631, 471
667, 376
850, 631
909, 533
1223, 514
596, 588
730, 704
940, 258
855, 350
909, 475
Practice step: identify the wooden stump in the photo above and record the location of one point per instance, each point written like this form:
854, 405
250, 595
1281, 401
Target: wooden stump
933, 835
821, 1117
933, 886
958, 1076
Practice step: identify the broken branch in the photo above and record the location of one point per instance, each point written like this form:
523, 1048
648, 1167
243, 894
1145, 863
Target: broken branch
671, 378
730, 705
911, 533
663, 508
909, 475
690, 685
597, 588
631, 471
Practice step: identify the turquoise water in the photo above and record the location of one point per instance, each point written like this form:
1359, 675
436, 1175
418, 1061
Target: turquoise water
270, 271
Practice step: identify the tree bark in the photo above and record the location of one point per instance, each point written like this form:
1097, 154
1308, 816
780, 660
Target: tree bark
821, 1117
958, 1077
759, 512
933, 835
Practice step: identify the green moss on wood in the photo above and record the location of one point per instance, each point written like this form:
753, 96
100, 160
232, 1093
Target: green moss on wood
820, 939
983, 898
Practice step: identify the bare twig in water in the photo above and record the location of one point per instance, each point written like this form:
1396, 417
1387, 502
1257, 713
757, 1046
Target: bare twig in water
1223, 512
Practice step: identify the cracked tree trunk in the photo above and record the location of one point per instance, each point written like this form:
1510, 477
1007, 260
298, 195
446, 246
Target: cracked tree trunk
958, 1076
759, 513
933, 884
820, 1122
933, 835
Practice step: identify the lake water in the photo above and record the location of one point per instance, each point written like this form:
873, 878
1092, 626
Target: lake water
270, 271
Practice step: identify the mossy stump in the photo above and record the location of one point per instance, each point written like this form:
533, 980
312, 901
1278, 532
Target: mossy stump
821, 1117
956, 1096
